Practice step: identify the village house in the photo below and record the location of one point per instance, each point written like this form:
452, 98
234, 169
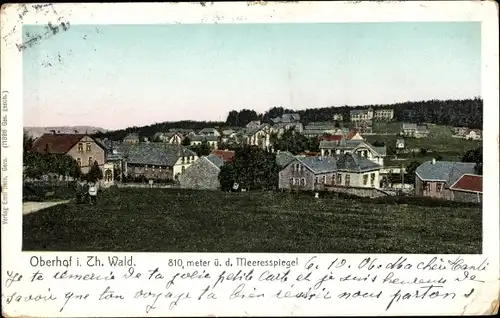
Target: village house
414, 130
259, 136
287, 118
338, 117
400, 143
434, 178
209, 132
203, 174
170, 137
155, 160
460, 131
316, 129
81, 147
384, 114
353, 134
359, 147
183, 131
228, 135
281, 127
334, 138
131, 138
361, 114
314, 173
212, 141
226, 155
469, 188
253, 124
473, 134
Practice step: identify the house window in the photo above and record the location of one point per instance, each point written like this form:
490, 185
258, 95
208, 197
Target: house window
317, 180
153, 168
333, 178
80, 147
146, 167
372, 179
365, 179
182, 160
90, 161
439, 187
324, 179
79, 161
292, 181
89, 148
339, 178
183, 169
303, 181
348, 180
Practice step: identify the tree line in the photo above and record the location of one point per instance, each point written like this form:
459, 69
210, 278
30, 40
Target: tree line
465, 112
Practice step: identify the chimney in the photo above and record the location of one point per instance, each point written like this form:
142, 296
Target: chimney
53, 131
433, 161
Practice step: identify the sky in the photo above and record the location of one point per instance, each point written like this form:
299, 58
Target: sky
117, 76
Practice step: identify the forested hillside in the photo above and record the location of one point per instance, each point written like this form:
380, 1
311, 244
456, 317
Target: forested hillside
467, 112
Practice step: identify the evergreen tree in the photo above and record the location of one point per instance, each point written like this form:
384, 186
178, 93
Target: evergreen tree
95, 173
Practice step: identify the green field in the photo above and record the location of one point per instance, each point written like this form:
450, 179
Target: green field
439, 142
163, 220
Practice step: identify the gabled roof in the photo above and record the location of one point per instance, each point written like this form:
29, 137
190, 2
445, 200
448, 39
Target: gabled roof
283, 158
355, 163
347, 162
358, 111
319, 164
215, 160
208, 130
225, 155
351, 134
445, 171
254, 130
336, 138
203, 138
469, 183
153, 153
57, 143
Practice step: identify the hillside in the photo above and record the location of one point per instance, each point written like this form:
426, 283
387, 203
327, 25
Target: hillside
466, 112
38, 131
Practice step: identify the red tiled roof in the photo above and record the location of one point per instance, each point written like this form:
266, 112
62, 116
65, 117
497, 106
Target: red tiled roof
331, 138
56, 143
469, 182
225, 155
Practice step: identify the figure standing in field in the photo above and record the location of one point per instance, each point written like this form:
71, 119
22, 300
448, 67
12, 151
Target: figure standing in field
92, 193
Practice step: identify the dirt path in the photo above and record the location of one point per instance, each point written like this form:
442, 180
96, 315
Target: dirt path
29, 207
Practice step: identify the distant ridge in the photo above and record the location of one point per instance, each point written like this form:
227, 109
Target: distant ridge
36, 132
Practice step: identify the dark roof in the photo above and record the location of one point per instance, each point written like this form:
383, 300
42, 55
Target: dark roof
336, 138
215, 160
225, 155
352, 162
446, 171
153, 153
469, 183
57, 143
358, 111
347, 162
204, 138
283, 158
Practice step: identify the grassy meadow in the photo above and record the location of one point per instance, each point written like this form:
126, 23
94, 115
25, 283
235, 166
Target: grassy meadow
439, 141
168, 220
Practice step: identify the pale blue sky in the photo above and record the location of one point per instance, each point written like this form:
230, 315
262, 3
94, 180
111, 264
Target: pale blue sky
115, 76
